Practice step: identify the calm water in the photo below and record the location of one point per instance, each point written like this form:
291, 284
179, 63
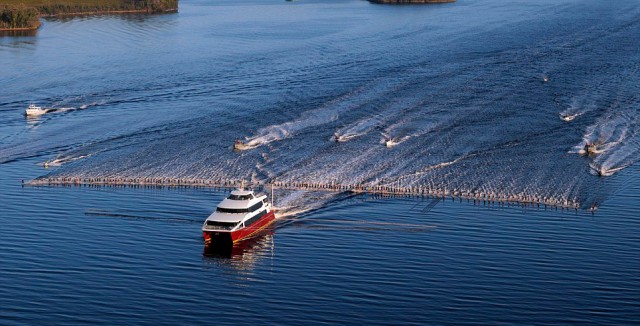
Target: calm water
460, 89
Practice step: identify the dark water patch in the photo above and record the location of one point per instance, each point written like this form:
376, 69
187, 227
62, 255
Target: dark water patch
476, 259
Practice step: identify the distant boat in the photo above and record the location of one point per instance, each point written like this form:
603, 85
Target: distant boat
390, 142
239, 145
240, 216
342, 138
568, 117
34, 110
589, 149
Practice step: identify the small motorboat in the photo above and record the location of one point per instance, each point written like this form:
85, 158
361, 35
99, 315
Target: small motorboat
589, 149
568, 117
34, 110
240, 216
390, 142
239, 145
342, 138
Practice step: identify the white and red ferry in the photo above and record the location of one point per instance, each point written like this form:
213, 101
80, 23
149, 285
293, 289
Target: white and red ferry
240, 216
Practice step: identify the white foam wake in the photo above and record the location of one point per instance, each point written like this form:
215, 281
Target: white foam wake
356, 129
327, 113
62, 160
614, 143
402, 131
580, 105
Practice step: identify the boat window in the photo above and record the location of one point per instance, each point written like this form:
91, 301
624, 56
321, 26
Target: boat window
255, 218
221, 225
253, 208
232, 210
240, 197
256, 206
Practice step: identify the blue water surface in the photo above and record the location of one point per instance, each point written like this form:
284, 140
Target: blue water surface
472, 92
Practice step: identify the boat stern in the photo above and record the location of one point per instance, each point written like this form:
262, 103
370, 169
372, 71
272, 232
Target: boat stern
216, 237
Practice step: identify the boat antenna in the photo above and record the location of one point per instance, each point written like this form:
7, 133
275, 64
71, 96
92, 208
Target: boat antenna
272, 201
242, 185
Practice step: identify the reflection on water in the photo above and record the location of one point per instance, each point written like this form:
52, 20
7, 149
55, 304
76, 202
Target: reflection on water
241, 256
141, 23
31, 32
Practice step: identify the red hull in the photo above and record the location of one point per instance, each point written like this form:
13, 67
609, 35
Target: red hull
241, 234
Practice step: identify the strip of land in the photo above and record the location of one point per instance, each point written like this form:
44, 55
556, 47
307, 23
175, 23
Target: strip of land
25, 14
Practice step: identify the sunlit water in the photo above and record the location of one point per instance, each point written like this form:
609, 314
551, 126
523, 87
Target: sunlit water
472, 97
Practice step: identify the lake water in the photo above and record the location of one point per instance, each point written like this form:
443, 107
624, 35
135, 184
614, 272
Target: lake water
471, 93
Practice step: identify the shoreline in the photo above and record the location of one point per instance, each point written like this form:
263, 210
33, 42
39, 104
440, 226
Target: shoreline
25, 18
17, 29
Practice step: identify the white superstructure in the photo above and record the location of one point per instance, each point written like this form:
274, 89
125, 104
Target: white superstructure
240, 209
34, 110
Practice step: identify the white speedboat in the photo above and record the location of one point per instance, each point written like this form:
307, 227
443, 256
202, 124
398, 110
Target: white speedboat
390, 142
589, 149
568, 117
393, 141
240, 216
342, 138
34, 110
239, 145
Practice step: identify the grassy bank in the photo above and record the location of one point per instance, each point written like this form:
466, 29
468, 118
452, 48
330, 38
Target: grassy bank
23, 14
18, 17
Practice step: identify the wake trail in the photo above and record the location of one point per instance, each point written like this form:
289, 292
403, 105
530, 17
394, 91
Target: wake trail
357, 100
612, 143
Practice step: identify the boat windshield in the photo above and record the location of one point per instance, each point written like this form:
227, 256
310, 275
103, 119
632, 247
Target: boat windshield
253, 208
221, 225
240, 197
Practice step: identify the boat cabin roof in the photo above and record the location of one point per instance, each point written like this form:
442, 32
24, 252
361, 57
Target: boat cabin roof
241, 201
241, 195
239, 192
225, 217
234, 208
